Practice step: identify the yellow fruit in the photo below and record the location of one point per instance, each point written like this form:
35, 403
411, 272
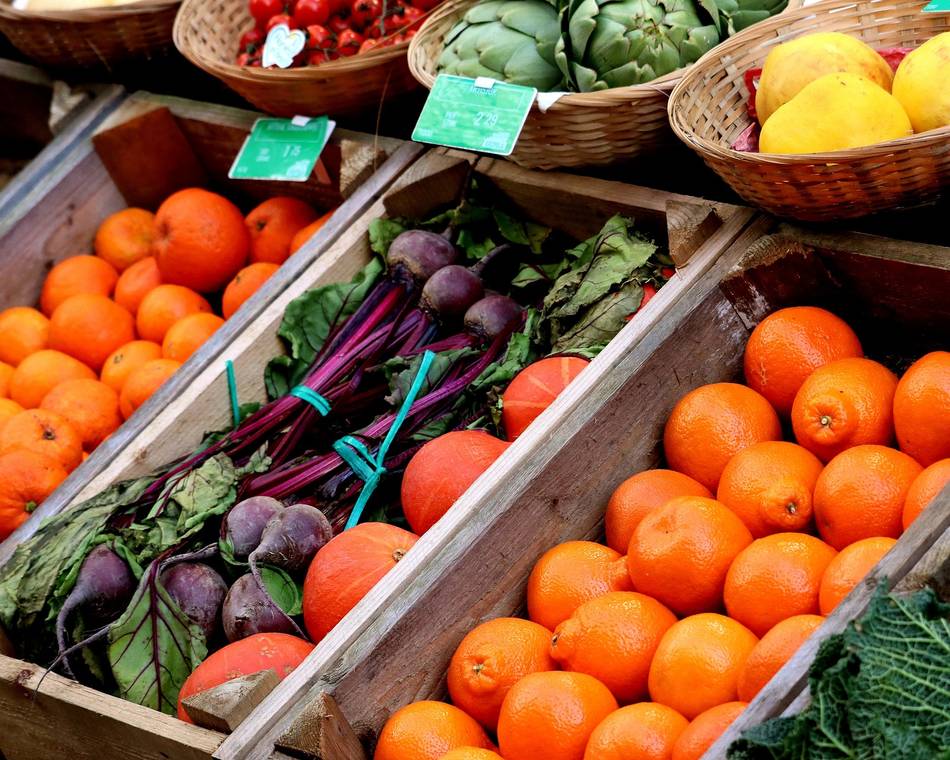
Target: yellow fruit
836, 112
922, 84
792, 65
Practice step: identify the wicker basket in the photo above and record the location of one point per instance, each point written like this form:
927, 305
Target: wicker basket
708, 111
207, 33
91, 37
580, 129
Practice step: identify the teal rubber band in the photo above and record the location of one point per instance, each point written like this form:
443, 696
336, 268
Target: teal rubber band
370, 469
313, 398
232, 392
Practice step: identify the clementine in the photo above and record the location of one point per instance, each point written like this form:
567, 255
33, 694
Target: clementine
6, 372
705, 729
43, 432
39, 373
922, 408
135, 282
426, 731
201, 241
774, 649
272, 226
26, 479
848, 569
125, 237
681, 552
8, 408
23, 331
305, 233
491, 659
638, 496
188, 334
698, 662
613, 638
74, 276
788, 345
163, 306
568, 575
713, 423
552, 715
125, 360
924, 490
845, 403
143, 382
776, 577
91, 407
244, 285
645, 731
471, 753
861, 494
90, 327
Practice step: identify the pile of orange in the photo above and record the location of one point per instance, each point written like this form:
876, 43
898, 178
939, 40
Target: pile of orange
716, 570
112, 327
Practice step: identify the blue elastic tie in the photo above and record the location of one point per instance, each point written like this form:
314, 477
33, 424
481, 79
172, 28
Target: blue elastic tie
313, 398
232, 392
358, 457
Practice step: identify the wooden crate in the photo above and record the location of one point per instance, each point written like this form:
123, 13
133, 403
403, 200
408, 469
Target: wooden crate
553, 483
145, 149
65, 711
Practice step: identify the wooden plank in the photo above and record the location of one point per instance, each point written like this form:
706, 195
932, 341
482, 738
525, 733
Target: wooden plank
321, 731
472, 532
688, 225
223, 707
36, 716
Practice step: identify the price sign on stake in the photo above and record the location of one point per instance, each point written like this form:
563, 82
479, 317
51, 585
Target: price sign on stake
283, 149
938, 6
474, 114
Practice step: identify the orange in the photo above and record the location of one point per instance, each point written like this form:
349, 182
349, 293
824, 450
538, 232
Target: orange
613, 638
90, 327
23, 331
711, 424
773, 650
861, 494
201, 241
681, 552
775, 578
770, 486
788, 345
125, 360
39, 373
491, 659
924, 490
568, 575
272, 226
244, 285
644, 731
74, 276
8, 408
188, 334
91, 407
705, 729
426, 731
309, 231
638, 496
552, 715
164, 306
845, 403
6, 372
922, 408
471, 753
698, 662
849, 568
135, 282
43, 432
125, 237
143, 382
26, 479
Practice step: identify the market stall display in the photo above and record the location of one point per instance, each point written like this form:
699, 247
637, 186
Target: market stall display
826, 172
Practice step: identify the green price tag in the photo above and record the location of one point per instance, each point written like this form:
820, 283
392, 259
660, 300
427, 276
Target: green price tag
938, 6
474, 114
283, 149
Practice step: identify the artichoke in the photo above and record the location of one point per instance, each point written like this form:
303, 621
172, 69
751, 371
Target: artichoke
738, 14
509, 40
617, 43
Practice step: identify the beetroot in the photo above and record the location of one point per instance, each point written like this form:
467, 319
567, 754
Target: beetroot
199, 591
291, 538
245, 522
419, 255
492, 316
248, 609
450, 292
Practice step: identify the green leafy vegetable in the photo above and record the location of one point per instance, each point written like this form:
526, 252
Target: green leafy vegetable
282, 589
401, 373
382, 232
880, 691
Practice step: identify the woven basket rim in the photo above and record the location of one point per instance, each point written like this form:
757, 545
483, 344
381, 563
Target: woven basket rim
752, 35
135, 7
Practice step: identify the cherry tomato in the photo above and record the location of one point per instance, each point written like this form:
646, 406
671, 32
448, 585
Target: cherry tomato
365, 12
309, 12
425, 5
667, 272
244, 59
348, 42
338, 25
412, 15
368, 44
319, 38
251, 40
648, 292
262, 10
280, 18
